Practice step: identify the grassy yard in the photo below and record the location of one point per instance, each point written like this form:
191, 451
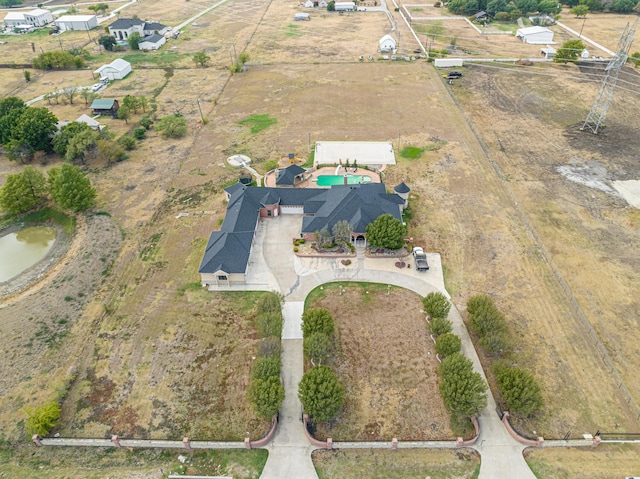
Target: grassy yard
29, 462
604, 462
399, 464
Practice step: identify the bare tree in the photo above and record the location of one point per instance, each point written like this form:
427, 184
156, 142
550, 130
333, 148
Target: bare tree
70, 93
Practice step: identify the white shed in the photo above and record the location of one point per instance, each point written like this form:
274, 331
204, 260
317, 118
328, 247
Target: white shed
535, 35
345, 6
38, 17
13, 19
387, 44
76, 22
116, 70
152, 42
548, 52
301, 16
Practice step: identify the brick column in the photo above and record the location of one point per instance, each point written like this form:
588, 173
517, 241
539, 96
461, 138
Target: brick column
394, 443
596, 441
247, 443
540, 441
329, 443
459, 442
36, 439
115, 440
186, 442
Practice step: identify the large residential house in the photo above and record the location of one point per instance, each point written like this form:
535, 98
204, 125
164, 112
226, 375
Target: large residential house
122, 28
226, 257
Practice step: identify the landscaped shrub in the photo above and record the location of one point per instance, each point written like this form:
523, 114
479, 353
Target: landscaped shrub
40, 420
520, 390
462, 389
487, 320
269, 324
478, 301
440, 326
139, 133
269, 303
266, 395
270, 346
495, 343
266, 367
318, 320
436, 305
448, 344
321, 394
317, 348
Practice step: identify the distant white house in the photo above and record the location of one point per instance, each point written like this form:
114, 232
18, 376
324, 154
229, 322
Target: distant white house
323, 3
345, 6
302, 16
152, 42
548, 52
76, 22
116, 70
535, 35
36, 18
308, 4
387, 44
123, 27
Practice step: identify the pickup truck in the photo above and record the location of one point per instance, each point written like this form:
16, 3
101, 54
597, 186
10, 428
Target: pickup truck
420, 259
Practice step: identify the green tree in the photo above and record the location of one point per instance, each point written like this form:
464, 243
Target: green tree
99, 7
321, 394
266, 395
201, 59
623, 6
463, 391
579, 11
317, 348
139, 133
569, 52
87, 95
40, 420
27, 75
131, 102
81, 145
635, 59
172, 126
386, 232
9, 3
7, 124
19, 150
35, 127
67, 132
134, 41
486, 320
317, 320
436, 305
526, 5
10, 103
109, 151
331, 6
342, 233
127, 142
107, 42
270, 303
266, 367
143, 103
57, 59
550, 7
124, 114
23, 191
440, 326
495, 6
520, 390
269, 324
448, 344
70, 188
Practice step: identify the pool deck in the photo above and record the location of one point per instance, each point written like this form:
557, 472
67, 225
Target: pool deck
311, 180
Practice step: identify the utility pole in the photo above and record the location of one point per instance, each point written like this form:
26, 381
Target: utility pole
309, 143
200, 108
582, 27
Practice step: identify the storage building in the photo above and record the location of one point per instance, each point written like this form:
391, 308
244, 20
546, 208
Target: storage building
76, 22
535, 35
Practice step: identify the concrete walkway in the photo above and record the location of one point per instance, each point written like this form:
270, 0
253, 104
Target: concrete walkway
295, 277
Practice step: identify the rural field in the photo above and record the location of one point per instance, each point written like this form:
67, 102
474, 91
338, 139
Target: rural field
145, 352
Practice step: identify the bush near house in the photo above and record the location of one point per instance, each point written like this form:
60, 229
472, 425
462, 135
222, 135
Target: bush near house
436, 305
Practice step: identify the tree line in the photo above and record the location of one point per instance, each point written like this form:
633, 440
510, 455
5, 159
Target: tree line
513, 9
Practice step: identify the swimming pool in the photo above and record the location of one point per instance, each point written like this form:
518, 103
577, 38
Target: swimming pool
329, 180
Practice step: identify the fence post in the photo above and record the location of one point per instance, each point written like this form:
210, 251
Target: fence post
247, 443
596, 441
36, 439
394, 443
186, 442
115, 440
329, 443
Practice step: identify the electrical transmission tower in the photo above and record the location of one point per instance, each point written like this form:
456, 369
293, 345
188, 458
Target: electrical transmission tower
600, 107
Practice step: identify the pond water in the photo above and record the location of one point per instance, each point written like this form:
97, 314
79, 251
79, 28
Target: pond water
24, 248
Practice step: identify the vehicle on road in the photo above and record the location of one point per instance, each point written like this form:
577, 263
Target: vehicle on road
420, 259
454, 74
97, 86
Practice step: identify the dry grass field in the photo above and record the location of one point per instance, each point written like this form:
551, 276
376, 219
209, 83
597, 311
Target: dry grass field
164, 356
401, 464
387, 363
605, 462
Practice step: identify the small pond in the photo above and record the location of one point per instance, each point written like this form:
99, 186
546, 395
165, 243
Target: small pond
23, 248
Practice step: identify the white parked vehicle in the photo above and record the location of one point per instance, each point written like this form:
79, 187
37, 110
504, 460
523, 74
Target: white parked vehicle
97, 86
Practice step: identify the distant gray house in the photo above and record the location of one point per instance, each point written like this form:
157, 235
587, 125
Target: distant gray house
226, 257
122, 28
152, 42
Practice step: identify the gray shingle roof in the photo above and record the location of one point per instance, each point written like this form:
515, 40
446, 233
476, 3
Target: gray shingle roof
228, 249
125, 23
153, 26
402, 188
152, 38
288, 175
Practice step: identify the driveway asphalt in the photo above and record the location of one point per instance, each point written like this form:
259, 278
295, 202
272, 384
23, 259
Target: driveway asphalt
273, 266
